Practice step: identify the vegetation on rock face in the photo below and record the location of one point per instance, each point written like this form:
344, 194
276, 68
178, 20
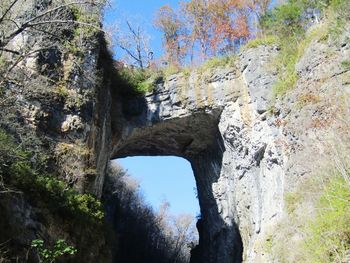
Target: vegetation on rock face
287, 25
346, 64
215, 30
328, 237
139, 81
217, 62
47, 85
261, 41
19, 174
50, 255
317, 223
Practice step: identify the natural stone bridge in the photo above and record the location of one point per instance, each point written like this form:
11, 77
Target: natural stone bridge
217, 121
243, 156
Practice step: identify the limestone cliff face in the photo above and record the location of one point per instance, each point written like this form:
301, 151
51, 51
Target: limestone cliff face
247, 149
219, 122
54, 100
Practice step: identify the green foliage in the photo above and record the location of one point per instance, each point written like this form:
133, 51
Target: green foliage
339, 16
87, 205
263, 41
90, 20
71, 47
61, 90
9, 151
86, 27
57, 195
292, 49
285, 64
346, 64
268, 245
284, 21
186, 71
292, 200
18, 172
329, 233
217, 62
139, 81
171, 69
50, 255
337, 4
285, 24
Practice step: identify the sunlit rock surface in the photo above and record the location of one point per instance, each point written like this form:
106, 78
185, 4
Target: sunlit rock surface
218, 121
238, 138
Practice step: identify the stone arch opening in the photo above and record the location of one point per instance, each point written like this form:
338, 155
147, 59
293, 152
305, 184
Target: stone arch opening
163, 179
154, 126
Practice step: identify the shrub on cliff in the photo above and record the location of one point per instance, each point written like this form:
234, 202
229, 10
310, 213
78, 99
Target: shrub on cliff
289, 24
329, 233
50, 255
284, 20
18, 173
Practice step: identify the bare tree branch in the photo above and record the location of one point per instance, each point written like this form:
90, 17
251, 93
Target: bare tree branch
31, 23
8, 10
134, 41
9, 51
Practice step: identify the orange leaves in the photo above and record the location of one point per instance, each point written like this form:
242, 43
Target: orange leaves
167, 21
211, 27
198, 21
230, 20
242, 28
174, 33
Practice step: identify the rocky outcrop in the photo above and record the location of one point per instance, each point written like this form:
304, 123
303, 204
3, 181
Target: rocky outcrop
54, 103
242, 143
219, 122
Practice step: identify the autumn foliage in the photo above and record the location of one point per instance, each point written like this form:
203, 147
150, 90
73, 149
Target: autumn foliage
174, 34
204, 28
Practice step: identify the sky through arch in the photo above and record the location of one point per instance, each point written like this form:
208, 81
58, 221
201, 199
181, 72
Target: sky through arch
165, 178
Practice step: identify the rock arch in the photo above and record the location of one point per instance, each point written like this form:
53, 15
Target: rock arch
216, 123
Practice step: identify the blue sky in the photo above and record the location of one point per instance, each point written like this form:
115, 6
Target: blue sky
165, 178
143, 11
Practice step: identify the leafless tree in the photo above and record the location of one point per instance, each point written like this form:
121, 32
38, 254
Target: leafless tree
134, 41
184, 234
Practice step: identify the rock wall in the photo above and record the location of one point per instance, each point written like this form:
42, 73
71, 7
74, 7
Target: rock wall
218, 121
54, 101
246, 148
